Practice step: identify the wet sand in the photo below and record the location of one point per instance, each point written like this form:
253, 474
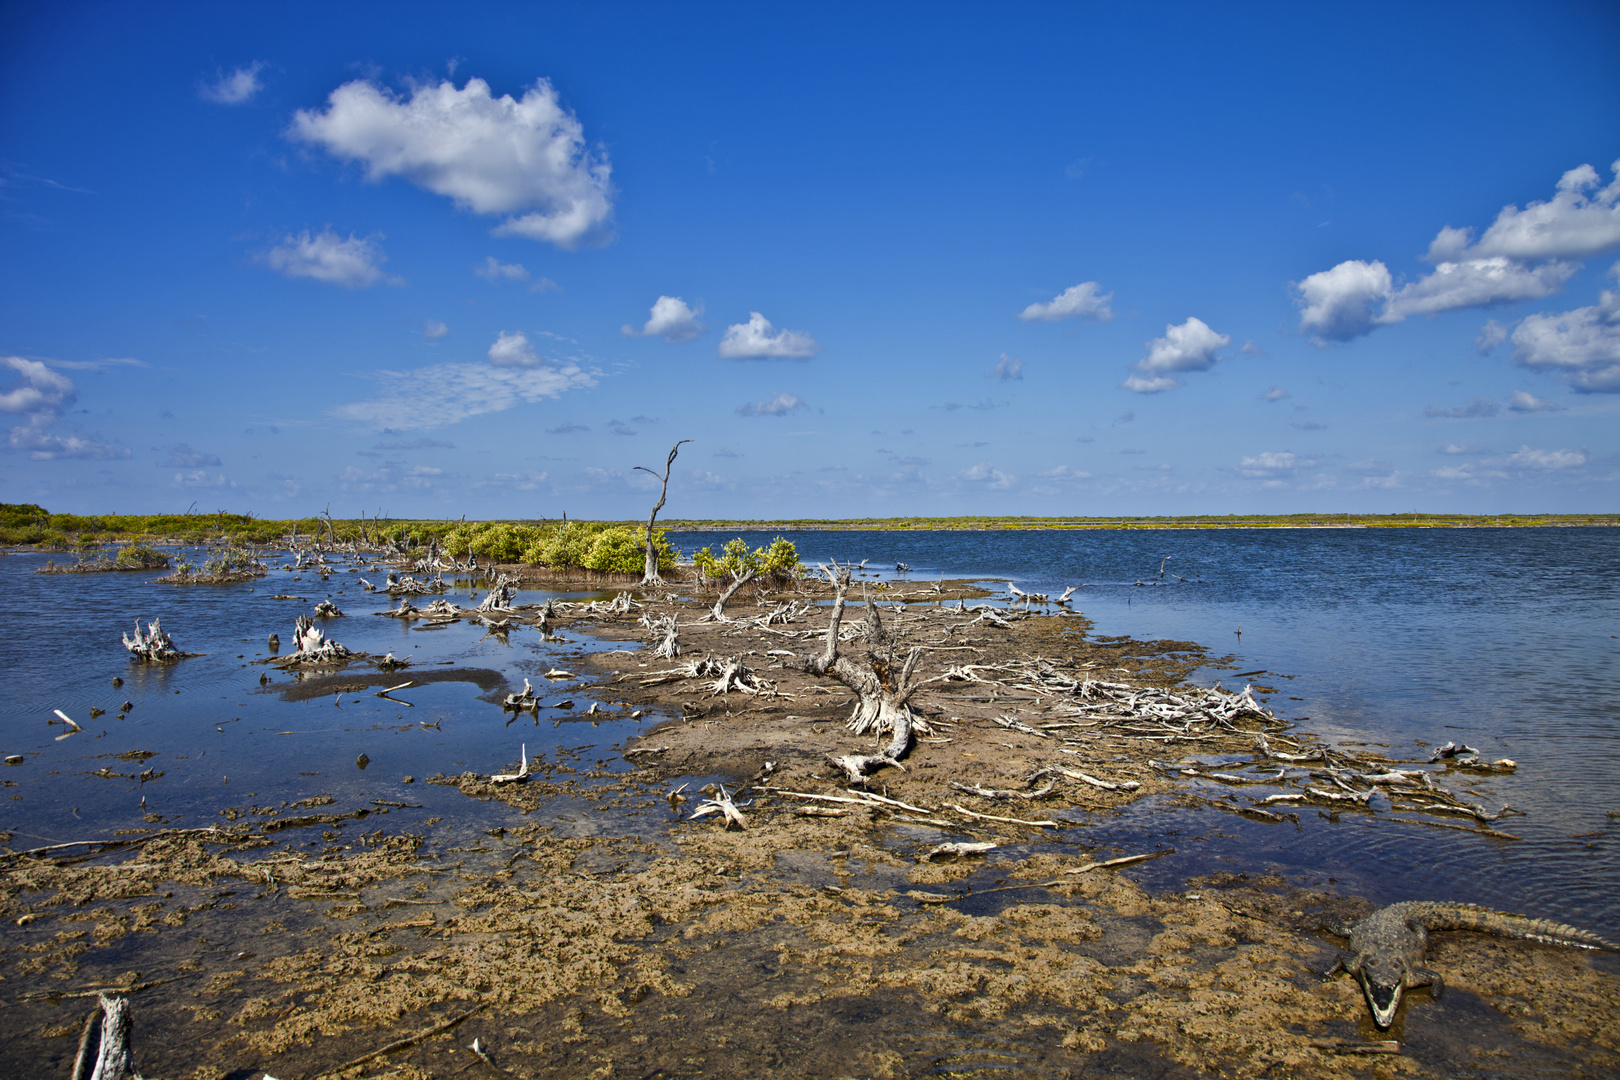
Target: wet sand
603, 933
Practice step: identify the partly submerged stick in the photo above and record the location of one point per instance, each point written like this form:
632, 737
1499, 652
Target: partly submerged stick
400, 1044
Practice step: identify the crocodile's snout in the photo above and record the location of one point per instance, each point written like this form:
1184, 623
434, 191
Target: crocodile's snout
1383, 991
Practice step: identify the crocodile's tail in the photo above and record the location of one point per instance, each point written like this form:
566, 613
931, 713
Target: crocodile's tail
1449, 916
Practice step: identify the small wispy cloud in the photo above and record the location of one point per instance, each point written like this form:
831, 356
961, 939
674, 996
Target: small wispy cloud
182, 456
495, 270
416, 444
1077, 301
1478, 408
1007, 369
236, 88
780, 405
326, 257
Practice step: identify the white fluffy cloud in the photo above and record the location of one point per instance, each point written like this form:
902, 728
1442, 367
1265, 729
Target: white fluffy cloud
353, 263
1007, 369
672, 320
1582, 219
525, 158
514, 350
1578, 222
1077, 300
1579, 347
1188, 347
757, 339
1476, 283
1356, 297
780, 405
41, 395
1522, 401
236, 88
39, 390
433, 330
447, 393
1342, 303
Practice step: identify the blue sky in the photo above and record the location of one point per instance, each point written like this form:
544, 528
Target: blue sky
874, 259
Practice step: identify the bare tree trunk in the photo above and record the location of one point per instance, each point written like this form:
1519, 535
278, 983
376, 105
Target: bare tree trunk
739, 578
883, 685
649, 574
113, 1057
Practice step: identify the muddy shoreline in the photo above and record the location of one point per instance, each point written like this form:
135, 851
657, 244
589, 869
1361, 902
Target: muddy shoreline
602, 932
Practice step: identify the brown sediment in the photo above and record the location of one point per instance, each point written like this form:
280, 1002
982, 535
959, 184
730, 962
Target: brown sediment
619, 938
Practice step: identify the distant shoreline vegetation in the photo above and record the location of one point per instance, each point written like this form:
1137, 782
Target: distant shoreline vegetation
29, 525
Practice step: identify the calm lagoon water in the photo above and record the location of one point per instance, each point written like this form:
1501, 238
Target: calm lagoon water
1500, 638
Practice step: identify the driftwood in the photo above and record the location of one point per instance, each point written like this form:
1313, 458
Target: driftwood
518, 777
327, 610
957, 849
73, 725
737, 676
720, 803
400, 1044
524, 702
154, 646
410, 586
112, 1060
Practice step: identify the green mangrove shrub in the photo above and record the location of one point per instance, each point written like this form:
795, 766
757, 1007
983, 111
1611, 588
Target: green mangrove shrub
779, 562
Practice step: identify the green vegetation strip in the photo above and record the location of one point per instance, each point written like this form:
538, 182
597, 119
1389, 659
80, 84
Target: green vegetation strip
579, 543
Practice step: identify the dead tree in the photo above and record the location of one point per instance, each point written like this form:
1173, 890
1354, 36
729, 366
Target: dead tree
314, 647
739, 577
882, 681
500, 595
649, 574
155, 646
665, 634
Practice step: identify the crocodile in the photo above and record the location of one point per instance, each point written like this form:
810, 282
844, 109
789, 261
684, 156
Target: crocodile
1388, 946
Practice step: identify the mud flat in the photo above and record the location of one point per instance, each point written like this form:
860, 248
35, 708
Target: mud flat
945, 915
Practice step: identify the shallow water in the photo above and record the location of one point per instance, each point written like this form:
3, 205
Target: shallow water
222, 739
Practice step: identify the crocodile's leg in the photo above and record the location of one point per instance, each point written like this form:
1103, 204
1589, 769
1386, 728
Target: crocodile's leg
1421, 976
1347, 964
